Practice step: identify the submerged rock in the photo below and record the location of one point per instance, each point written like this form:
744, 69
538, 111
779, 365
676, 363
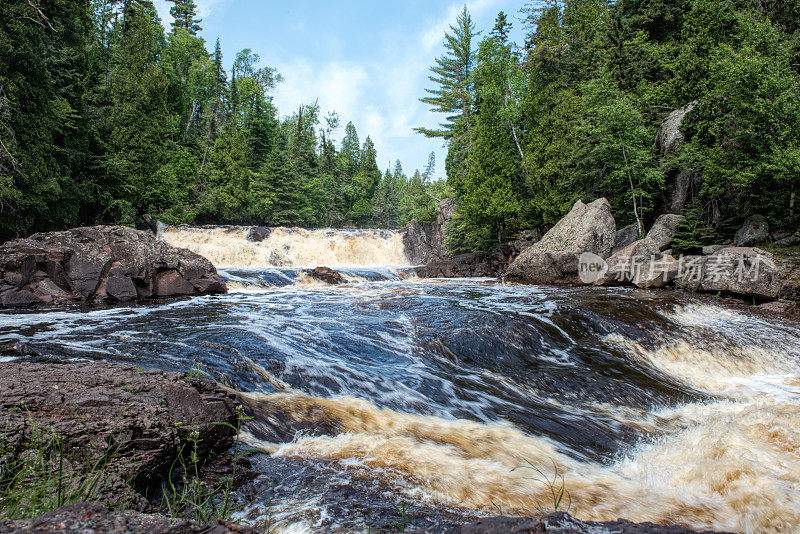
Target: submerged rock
554, 259
326, 274
100, 264
424, 242
257, 234
138, 418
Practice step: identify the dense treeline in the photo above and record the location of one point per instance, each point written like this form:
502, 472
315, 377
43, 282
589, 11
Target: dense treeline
574, 112
104, 116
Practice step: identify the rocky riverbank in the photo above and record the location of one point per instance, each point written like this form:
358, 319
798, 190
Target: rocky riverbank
124, 430
100, 264
585, 248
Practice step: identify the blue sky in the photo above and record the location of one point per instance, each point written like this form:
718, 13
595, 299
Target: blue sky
366, 60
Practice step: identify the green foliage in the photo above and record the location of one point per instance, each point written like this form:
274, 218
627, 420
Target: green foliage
37, 474
104, 117
574, 113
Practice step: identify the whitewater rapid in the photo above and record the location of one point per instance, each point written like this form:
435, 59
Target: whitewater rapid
465, 395
291, 247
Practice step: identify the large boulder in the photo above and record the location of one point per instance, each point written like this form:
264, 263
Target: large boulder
138, 418
664, 229
425, 242
754, 230
742, 271
642, 264
100, 264
257, 234
554, 259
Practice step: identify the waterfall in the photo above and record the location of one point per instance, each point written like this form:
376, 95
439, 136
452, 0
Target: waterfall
291, 247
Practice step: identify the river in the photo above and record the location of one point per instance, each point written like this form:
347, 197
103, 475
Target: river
463, 395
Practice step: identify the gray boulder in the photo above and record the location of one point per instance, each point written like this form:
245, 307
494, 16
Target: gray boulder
554, 259
424, 242
712, 249
100, 264
754, 230
669, 135
625, 237
742, 271
641, 264
664, 229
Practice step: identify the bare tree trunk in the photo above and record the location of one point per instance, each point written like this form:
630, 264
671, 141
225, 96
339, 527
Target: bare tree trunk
639, 223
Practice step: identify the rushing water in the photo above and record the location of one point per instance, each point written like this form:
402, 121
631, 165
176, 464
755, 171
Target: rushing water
653, 408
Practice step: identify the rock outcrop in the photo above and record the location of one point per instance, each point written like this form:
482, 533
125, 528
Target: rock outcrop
100, 264
138, 418
554, 259
742, 271
641, 264
669, 136
93, 518
678, 181
755, 230
477, 264
664, 229
625, 237
424, 242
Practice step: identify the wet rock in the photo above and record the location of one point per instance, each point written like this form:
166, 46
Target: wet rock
664, 229
470, 265
91, 518
678, 184
563, 523
743, 271
625, 237
424, 242
327, 275
554, 259
138, 417
100, 264
257, 234
754, 230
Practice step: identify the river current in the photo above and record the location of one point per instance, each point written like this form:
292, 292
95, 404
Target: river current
465, 395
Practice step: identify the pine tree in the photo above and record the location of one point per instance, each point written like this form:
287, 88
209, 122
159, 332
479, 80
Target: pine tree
185, 14
452, 73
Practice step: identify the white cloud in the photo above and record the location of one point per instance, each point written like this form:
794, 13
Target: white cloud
204, 8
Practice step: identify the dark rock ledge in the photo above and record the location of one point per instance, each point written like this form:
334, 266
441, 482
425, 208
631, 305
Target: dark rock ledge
100, 264
137, 417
